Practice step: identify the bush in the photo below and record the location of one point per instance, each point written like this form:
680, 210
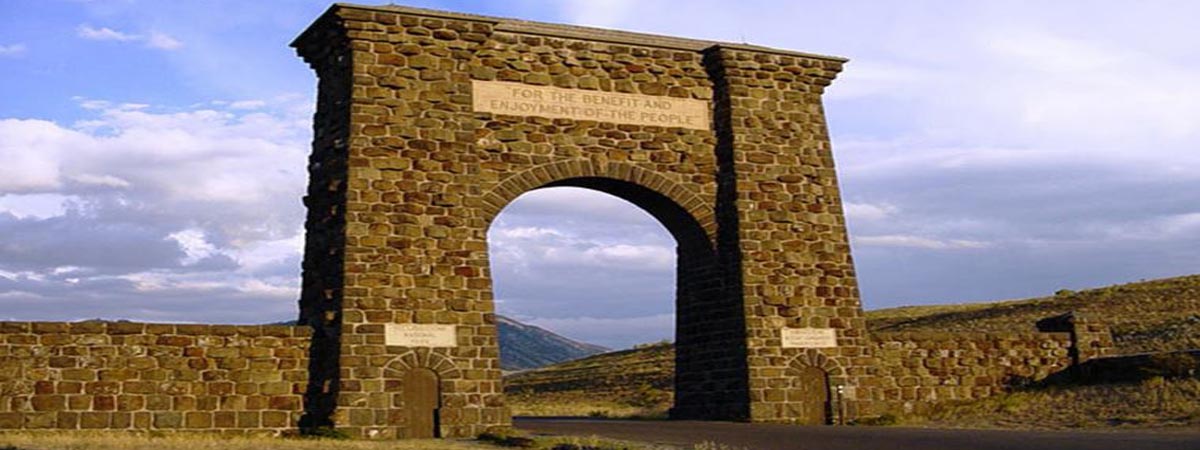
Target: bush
1064, 293
882, 420
324, 433
647, 396
1171, 365
507, 437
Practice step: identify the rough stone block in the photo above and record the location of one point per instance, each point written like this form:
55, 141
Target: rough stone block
11, 420
198, 419
95, 420
275, 419
168, 420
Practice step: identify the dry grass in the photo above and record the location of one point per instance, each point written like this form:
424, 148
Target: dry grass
129, 441
1156, 402
1151, 316
594, 442
632, 384
581, 404
1148, 316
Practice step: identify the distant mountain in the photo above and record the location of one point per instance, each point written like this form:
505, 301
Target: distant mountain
524, 346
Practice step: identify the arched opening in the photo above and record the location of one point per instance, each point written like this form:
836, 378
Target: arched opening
706, 325
421, 400
809, 397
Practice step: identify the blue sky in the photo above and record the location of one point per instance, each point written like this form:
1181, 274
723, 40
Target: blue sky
154, 157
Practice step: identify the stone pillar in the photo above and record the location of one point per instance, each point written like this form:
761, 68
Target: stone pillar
326, 49
786, 228
392, 236
1090, 338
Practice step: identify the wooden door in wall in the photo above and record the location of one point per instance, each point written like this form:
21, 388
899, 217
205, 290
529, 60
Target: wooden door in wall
421, 403
809, 395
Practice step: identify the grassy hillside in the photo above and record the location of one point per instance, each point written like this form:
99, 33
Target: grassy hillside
1149, 316
625, 383
1153, 402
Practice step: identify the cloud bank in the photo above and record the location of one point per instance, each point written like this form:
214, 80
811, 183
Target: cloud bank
153, 39
986, 150
154, 213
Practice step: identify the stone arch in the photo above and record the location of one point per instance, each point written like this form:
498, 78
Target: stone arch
401, 193
666, 200
709, 323
814, 358
821, 407
422, 358
395, 371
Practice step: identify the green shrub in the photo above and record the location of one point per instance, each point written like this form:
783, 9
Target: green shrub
881, 420
507, 437
1171, 365
324, 433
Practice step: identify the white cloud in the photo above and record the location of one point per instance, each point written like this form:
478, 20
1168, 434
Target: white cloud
162, 41
868, 211
30, 149
528, 232
12, 50
194, 244
198, 155
104, 34
35, 206
100, 180
1163, 228
153, 39
209, 200
247, 104
900, 240
261, 254
533, 247
91, 104
621, 255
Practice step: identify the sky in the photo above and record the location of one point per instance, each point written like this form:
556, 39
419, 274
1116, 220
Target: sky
152, 157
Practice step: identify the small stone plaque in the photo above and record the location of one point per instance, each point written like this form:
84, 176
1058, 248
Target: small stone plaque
416, 335
518, 99
809, 337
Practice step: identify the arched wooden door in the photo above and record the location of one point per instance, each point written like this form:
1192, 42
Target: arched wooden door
809, 395
421, 403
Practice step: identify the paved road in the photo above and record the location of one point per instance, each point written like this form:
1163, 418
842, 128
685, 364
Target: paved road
780, 437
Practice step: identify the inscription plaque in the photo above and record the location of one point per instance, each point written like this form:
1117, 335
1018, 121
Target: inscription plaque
809, 337
416, 335
518, 99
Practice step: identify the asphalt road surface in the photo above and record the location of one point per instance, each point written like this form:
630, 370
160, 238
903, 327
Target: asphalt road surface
779, 437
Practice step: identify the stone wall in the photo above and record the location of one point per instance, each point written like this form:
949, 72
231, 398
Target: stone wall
139, 376
917, 369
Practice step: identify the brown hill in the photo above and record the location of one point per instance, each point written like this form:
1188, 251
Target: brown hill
1149, 316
